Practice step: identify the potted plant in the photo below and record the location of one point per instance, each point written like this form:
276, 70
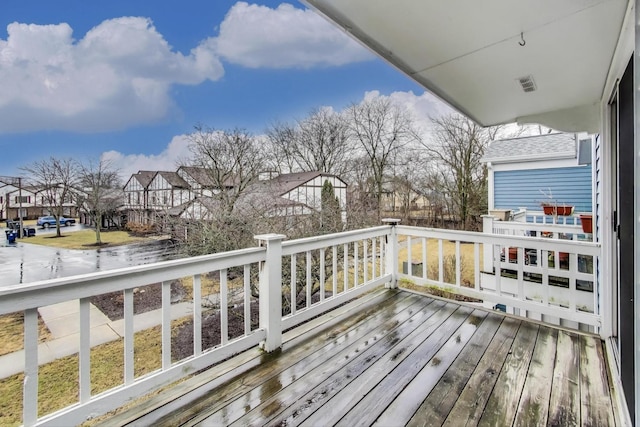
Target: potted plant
587, 223
550, 206
557, 209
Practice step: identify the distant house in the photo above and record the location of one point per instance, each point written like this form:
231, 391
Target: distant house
524, 172
12, 200
34, 202
200, 181
114, 216
302, 189
166, 190
271, 196
136, 196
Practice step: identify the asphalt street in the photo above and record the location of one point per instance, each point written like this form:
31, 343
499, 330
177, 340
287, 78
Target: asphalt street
25, 263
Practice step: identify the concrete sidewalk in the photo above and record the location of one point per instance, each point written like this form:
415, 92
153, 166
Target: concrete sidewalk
62, 320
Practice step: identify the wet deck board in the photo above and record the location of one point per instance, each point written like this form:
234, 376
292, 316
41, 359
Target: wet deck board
409, 360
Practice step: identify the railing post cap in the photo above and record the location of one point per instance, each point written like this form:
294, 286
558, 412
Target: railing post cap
487, 216
391, 221
269, 237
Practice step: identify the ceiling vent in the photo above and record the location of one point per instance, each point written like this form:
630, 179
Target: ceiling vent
527, 83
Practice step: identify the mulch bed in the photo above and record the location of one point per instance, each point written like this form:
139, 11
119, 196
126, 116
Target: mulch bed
182, 340
145, 298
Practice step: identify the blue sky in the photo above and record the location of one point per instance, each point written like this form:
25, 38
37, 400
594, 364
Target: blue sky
129, 79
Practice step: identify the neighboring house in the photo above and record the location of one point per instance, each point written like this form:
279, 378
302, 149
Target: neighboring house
403, 199
35, 202
9, 202
285, 195
198, 180
115, 215
136, 194
166, 190
524, 172
303, 189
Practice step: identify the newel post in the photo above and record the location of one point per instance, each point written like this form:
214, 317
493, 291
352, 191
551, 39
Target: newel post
391, 252
487, 228
270, 288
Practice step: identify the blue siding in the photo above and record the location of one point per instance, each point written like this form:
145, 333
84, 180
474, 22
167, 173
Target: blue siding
522, 188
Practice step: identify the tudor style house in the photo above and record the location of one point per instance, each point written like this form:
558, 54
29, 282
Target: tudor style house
136, 197
273, 194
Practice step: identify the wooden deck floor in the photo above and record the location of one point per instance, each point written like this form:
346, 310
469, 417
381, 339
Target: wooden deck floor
404, 359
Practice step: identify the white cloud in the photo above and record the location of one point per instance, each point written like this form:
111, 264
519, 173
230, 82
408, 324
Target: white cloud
422, 107
169, 159
118, 75
285, 37
177, 151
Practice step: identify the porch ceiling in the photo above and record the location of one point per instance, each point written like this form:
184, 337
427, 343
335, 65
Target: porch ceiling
470, 54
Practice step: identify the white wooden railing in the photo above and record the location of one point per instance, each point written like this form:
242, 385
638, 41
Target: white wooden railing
537, 277
339, 256
297, 280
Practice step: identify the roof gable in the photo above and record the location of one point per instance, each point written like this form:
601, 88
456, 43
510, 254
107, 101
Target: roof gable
530, 148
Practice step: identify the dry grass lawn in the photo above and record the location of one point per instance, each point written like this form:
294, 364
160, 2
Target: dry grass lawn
467, 256
58, 380
12, 332
83, 239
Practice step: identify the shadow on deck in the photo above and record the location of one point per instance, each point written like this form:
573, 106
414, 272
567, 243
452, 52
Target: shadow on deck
397, 358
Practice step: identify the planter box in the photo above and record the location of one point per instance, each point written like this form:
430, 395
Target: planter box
587, 223
501, 214
557, 210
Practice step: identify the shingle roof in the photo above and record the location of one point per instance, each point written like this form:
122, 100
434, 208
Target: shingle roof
286, 182
538, 147
202, 176
145, 177
174, 179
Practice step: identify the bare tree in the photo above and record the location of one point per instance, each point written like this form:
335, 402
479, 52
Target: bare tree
231, 159
380, 128
100, 191
318, 142
56, 179
457, 148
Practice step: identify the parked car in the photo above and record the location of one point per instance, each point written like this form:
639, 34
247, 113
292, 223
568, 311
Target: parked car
50, 221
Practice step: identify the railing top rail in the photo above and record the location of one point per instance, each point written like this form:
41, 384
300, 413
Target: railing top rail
316, 242
585, 248
37, 294
526, 226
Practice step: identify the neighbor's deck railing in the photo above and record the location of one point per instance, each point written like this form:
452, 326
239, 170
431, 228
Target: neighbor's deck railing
296, 280
537, 277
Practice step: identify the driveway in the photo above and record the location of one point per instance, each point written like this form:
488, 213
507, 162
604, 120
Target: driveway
25, 263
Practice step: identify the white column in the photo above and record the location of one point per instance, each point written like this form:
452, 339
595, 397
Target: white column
487, 250
270, 288
391, 252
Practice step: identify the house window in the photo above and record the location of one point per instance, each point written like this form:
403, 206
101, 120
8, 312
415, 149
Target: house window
165, 199
129, 198
138, 197
23, 199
